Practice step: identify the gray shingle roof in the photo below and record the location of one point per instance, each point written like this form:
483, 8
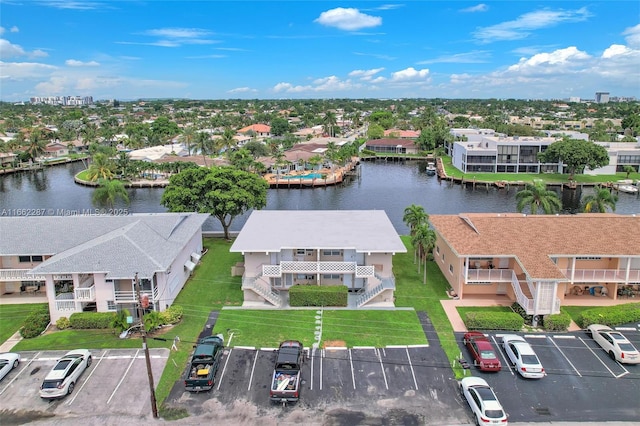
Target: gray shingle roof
117, 245
362, 230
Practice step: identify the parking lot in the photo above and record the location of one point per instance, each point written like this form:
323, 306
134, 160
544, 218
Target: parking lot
582, 382
116, 382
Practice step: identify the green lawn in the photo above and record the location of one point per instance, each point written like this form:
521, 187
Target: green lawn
12, 317
574, 311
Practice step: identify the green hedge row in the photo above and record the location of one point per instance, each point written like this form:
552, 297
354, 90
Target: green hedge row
35, 323
493, 321
318, 295
610, 315
83, 320
556, 322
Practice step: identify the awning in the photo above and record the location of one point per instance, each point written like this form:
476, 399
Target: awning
195, 257
190, 265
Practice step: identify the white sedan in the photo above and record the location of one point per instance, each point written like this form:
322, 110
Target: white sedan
614, 343
8, 361
486, 408
522, 356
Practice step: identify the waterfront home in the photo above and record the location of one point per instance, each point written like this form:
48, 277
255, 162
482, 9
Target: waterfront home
392, 146
539, 261
401, 134
353, 248
56, 149
259, 130
83, 262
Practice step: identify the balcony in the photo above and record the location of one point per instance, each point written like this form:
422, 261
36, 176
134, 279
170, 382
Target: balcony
129, 296
290, 267
23, 275
603, 275
489, 275
85, 294
65, 302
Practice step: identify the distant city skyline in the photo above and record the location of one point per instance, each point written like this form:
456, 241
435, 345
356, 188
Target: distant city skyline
270, 50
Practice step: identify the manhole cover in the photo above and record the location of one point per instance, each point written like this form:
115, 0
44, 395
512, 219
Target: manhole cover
543, 411
34, 371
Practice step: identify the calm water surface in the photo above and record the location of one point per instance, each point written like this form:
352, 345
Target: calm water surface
385, 186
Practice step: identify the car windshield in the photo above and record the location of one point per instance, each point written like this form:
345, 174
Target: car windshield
62, 365
626, 347
50, 384
494, 414
530, 360
487, 355
617, 336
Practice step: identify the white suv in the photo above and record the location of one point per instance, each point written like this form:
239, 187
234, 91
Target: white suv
483, 402
65, 374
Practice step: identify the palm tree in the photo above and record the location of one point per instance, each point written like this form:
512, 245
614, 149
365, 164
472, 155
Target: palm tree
102, 167
108, 192
187, 137
329, 122
423, 241
36, 144
537, 196
414, 215
600, 201
203, 144
628, 169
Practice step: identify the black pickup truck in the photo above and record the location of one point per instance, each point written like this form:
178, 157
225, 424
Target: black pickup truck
285, 383
204, 364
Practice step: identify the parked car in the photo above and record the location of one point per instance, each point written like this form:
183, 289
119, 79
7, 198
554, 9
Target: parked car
8, 361
482, 351
486, 408
65, 374
522, 356
614, 343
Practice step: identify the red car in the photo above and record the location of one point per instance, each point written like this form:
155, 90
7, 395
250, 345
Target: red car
480, 347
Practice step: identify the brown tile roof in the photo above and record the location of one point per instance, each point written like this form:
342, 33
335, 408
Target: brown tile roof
258, 128
391, 142
533, 239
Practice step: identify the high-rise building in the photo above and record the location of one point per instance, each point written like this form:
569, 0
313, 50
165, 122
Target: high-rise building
602, 97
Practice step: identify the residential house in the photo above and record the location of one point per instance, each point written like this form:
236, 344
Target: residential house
259, 130
392, 146
401, 134
353, 248
86, 262
56, 149
539, 261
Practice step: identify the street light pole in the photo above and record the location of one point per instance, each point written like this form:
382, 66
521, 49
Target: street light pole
152, 391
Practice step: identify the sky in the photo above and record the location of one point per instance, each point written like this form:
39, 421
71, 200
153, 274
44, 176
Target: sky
304, 49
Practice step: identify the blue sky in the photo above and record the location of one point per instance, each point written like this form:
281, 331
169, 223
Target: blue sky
318, 49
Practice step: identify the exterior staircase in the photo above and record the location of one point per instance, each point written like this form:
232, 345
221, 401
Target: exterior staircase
382, 285
263, 289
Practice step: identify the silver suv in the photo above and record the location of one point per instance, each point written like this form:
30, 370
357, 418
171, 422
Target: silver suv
65, 374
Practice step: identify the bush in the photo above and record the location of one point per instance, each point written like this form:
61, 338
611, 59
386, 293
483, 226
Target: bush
63, 323
119, 321
151, 321
35, 323
528, 319
318, 295
85, 320
557, 322
493, 321
172, 315
610, 315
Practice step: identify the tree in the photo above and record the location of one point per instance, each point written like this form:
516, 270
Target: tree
599, 201
108, 192
628, 170
101, 167
537, 196
576, 154
204, 145
279, 126
375, 131
414, 215
224, 192
36, 144
329, 122
423, 241
187, 137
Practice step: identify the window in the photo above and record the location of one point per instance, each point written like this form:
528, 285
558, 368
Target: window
332, 252
438, 249
29, 259
300, 252
331, 276
451, 268
443, 257
111, 306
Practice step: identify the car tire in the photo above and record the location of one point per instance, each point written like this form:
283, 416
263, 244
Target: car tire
15, 364
477, 420
589, 333
89, 361
71, 386
612, 355
475, 363
465, 341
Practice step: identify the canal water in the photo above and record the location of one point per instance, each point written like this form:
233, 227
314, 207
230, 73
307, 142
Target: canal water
388, 186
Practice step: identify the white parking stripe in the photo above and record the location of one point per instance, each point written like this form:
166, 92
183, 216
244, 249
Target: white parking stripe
253, 369
535, 336
353, 377
20, 372
84, 382
382, 368
564, 337
565, 357
123, 377
594, 354
504, 357
321, 364
413, 373
226, 361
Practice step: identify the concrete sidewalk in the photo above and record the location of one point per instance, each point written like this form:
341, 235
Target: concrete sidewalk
11, 342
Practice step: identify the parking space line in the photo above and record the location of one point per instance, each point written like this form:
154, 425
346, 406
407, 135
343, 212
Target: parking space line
253, 369
382, 368
413, 373
625, 328
84, 382
123, 376
321, 363
501, 350
313, 355
564, 337
353, 376
20, 372
565, 357
594, 354
535, 336
226, 361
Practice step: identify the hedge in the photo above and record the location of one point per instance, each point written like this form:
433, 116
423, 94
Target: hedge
318, 295
610, 315
35, 323
493, 321
172, 315
80, 320
557, 322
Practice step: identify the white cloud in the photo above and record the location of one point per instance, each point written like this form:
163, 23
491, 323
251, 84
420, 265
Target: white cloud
616, 50
523, 26
410, 74
632, 36
289, 88
14, 29
76, 5
477, 8
348, 19
175, 37
25, 70
242, 90
76, 63
543, 63
365, 75
10, 50
473, 57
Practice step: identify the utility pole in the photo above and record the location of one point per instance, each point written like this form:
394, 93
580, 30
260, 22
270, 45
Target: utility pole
152, 391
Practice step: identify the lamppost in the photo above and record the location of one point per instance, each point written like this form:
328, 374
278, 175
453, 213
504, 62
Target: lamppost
152, 391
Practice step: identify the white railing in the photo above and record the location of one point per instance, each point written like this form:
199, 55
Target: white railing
603, 275
87, 294
522, 299
65, 302
302, 267
489, 275
263, 289
123, 296
365, 271
19, 275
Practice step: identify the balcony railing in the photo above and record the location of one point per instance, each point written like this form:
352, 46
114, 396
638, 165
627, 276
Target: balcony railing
603, 275
85, 294
522, 299
65, 302
489, 275
129, 296
293, 267
23, 275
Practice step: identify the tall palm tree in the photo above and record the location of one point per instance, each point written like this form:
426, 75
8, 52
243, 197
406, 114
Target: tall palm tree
36, 144
423, 241
329, 122
600, 201
102, 167
414, 215
203, 144
108, 192
538, 197
187, 137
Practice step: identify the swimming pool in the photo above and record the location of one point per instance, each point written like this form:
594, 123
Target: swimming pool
309, 176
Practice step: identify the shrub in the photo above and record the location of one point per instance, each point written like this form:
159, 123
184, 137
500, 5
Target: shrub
493, 321
35, 323
151, 321
63, 323
528, 319
557, 322
119, 321
318, 295
80, 320
172, 315
610, 315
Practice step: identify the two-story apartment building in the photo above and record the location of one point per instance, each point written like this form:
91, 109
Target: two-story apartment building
87, 262
353, 248
539, 260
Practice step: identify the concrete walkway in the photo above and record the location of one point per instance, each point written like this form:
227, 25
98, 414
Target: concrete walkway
11, 342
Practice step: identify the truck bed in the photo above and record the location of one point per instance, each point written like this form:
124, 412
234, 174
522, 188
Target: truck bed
285, 381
